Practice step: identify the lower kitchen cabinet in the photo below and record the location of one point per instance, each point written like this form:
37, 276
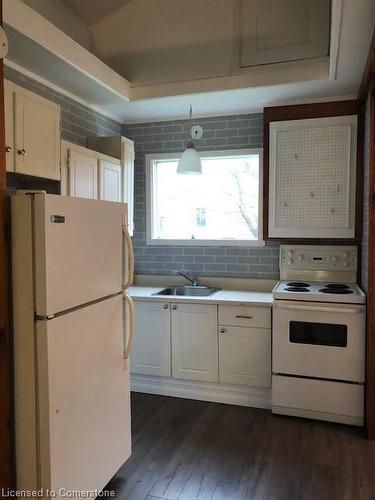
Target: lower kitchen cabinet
194, 342
152, 346
245, 356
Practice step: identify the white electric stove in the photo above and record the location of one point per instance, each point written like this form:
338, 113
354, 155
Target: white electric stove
318, 352
346, 293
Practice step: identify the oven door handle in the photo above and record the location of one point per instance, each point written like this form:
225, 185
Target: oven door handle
319, 309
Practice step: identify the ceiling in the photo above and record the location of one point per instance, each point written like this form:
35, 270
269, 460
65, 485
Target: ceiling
355, 34
93, 11
357, 27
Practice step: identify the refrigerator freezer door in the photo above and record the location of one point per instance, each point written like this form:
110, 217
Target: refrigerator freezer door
78, 251
83, 397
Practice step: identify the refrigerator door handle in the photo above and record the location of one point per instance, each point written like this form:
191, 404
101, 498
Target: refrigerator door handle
131, 335
127, 281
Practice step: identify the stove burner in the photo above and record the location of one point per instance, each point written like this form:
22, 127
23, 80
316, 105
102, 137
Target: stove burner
296, 289
340, 291
298, 284
337, 286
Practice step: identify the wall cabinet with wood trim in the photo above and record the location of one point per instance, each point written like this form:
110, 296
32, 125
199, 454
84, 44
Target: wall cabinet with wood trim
32, 133
88, 174
312, 178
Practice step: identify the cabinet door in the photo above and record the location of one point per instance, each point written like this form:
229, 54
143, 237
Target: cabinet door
83, 174
285, 30
312, 178
194, 342
37, 136
152, 345
128, 179
109, 180
9, 124
245, 356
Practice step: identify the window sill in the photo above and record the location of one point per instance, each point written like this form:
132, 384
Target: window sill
206, 243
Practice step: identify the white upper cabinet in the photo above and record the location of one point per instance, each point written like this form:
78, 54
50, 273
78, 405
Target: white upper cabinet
312, 178
88, 174
32, 129
82, 174
122, 148
194, 342
283, 30
109, 180
9, 124
36, 135
127, 158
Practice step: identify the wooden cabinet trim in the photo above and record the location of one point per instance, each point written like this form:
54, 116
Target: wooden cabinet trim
305, 111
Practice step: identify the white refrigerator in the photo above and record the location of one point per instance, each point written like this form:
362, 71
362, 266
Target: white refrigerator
72, 262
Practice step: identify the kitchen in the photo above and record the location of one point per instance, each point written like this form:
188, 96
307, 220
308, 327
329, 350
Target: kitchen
230, 332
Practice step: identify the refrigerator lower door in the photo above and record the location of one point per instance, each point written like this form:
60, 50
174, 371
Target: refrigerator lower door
83, 397
78, 251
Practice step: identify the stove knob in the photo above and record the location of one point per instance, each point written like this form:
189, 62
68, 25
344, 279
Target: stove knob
345, 263
300, 258
290, 253
334, 259
290, 262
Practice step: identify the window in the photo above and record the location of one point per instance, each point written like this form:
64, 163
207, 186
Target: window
222, 206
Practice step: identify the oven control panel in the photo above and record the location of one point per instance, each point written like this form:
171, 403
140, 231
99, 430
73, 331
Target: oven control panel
320, 258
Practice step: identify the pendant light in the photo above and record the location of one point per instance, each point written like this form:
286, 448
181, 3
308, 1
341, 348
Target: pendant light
190, 162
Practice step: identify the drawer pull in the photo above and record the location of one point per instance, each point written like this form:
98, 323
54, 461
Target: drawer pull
243, 316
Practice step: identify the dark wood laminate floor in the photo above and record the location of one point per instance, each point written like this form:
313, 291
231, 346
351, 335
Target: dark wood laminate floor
184, 449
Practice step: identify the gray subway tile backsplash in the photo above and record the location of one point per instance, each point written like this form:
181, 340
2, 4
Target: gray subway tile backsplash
224, 132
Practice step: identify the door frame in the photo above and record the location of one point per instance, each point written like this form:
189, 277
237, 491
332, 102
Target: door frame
367, 91
6, 448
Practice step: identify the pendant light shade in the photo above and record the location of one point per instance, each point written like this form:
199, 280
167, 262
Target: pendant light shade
190, 162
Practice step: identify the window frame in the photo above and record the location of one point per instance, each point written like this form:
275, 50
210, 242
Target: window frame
151, 158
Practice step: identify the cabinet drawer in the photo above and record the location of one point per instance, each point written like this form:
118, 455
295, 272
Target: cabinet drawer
245, 316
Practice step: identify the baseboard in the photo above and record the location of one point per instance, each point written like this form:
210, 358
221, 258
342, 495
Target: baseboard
319, 415
240, 395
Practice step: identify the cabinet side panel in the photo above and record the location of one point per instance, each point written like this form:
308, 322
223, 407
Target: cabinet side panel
24, 343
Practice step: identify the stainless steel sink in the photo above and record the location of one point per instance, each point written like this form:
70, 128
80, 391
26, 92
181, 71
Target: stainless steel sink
190, 291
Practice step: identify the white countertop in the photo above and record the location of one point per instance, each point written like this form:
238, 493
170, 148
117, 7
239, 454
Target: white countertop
229, 297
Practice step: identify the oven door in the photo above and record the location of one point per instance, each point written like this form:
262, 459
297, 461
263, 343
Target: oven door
319, 340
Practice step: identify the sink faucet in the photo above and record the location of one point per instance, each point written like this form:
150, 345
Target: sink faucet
192, 278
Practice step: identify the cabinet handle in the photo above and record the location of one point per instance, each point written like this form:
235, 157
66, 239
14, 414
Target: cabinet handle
174, 307
243, 316
165, 306
222, 330
21, 152
8, 149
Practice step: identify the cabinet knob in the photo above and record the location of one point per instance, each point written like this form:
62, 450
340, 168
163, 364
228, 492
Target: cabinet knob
165, 306
222, 330
21, 152
8, 149
174, 307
